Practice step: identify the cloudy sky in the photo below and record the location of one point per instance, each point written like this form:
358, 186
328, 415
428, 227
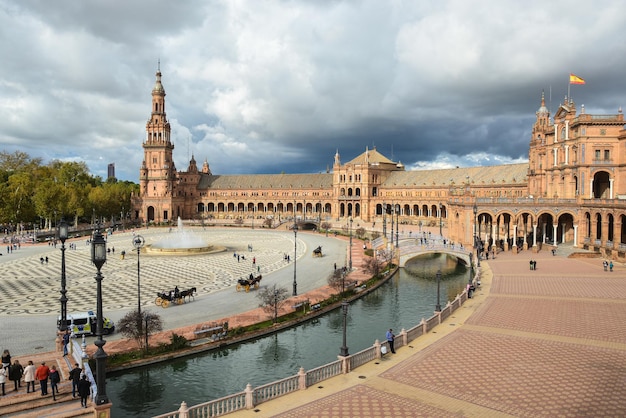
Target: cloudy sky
279, 86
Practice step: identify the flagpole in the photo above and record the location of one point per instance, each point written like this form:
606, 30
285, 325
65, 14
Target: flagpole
568, 87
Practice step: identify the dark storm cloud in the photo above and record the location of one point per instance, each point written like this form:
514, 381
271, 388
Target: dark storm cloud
266, 87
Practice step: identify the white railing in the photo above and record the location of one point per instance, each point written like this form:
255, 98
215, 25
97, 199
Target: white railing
323, 372
276, 389
250, 398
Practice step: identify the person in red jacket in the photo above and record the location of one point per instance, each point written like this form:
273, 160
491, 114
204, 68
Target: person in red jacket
42, 374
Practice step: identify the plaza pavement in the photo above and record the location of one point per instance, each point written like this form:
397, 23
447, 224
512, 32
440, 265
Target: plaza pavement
549, 342
29, 289
543, 343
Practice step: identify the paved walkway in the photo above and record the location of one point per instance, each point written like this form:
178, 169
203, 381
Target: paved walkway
549, 342
542, 343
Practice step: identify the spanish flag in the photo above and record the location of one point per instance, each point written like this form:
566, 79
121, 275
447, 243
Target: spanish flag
574, 79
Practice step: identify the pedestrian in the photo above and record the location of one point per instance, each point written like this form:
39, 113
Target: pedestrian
605, 264
390, 337
16, 371
29, 376
531, 264
55, 378
6, 359
253, 260
75, 378
534, 264
41, 374
46, 259
3, 379
335, 265
66, 342
84, 390
611, 266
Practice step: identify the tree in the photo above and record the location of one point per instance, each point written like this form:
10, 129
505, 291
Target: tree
139, 327
374, 265
337, 280
326, 226
272, 299
267, 222
360, 232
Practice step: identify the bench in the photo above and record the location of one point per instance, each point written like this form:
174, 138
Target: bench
215, 332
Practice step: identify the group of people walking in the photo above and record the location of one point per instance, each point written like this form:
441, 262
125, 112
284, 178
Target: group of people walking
31, 374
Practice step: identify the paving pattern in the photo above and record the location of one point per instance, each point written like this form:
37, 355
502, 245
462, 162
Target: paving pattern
27, 285
545, 343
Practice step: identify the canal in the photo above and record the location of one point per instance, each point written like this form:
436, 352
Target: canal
401, 303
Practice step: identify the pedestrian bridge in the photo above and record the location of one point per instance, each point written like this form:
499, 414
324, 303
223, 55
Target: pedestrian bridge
410, 251
410, 247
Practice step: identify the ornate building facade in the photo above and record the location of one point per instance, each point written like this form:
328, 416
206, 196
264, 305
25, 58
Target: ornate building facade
572, 190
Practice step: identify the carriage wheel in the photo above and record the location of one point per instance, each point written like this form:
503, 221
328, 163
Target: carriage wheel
247, 288
158, 301
165, 303
180, 301
238, 287
256, 285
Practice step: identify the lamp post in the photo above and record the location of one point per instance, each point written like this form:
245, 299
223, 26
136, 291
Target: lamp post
438, 306
98, 258
63, 232
397, 225
350, 261
391, 211
275, 305
295, 258
344, 348
384, 220
476, 238
138, 243
440, 208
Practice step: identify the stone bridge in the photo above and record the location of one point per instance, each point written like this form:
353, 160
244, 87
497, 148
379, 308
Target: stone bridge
410, 247
410, 251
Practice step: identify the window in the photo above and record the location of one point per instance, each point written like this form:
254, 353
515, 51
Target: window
607, 154
597, 154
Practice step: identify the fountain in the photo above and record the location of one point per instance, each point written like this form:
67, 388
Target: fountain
182, 242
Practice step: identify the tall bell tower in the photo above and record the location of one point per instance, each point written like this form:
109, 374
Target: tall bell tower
157, 176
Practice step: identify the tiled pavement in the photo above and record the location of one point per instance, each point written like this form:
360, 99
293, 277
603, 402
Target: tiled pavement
544, 343
539, 343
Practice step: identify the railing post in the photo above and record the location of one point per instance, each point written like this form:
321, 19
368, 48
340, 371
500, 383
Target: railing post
379, 355
249, 397
405, 337
345, 364
424, 326
183, 411
301, 379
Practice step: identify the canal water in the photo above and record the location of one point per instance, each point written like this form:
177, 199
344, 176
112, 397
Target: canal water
401, 303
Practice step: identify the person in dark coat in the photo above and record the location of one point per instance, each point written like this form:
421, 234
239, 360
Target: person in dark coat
84, 390
16, 371
75, 378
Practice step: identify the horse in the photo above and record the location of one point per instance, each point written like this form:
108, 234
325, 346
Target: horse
189, 293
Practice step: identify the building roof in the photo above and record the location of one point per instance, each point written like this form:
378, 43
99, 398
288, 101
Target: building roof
370, 156
267, 181
491, 175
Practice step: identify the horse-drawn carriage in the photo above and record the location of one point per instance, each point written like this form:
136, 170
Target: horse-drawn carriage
317, 252
164, 299
251, 282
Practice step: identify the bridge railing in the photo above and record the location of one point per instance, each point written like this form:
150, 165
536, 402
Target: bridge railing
252, 397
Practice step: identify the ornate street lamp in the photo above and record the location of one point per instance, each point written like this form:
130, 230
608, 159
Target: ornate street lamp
138, 243
438, 306
440, 209
350, 263
384, 220
344, 309
63, 233
98, 258
476, 238
295, 251
397, 225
